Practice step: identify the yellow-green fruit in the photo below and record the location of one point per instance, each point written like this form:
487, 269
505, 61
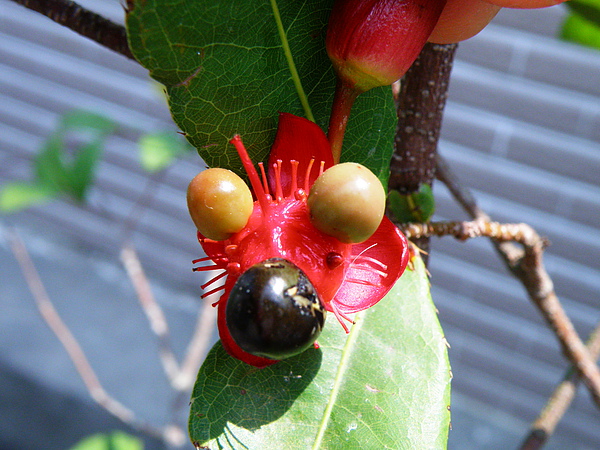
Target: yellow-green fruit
347, 202
219, 202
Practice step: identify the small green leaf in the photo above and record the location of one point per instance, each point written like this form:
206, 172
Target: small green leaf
577, 28
230, 66
83, 169
386, 385
117, 440
17, 196
80, 119
72, 172
415, 207
158, 150
49, 168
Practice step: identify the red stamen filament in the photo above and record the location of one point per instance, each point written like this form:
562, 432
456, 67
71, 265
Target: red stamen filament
361, 257
357, 281
206, 268
340, 317
307, 175
251, 171
278, 188
206, 294
369, 269
294, 177
264, 177
206, 258
213, 280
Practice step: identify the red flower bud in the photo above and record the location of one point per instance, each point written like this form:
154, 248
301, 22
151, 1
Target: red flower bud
373, 42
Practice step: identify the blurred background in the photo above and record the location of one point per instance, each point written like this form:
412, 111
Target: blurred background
521, 129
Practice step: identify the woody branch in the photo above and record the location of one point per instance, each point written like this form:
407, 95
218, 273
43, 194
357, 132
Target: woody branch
84, 22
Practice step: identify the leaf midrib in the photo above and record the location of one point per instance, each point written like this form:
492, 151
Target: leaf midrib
339, 378
290, 60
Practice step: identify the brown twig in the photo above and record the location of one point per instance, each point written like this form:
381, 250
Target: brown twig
559, 401
153, 311
519, 232
197, 348
461, 195
70, 343
527, 265
84, 22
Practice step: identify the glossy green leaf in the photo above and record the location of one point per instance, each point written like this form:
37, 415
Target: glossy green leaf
230, 66
17, 196
386, 385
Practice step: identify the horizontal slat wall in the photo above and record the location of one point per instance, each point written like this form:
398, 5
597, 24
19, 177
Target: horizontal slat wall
47, 70
522, 129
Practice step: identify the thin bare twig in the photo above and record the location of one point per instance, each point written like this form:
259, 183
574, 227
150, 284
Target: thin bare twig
70, 343
197, 348
153, 311
461, 195
84, 22
527, 265
531, 271
559, 401
181, 377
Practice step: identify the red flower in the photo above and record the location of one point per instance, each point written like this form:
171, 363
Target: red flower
347, 277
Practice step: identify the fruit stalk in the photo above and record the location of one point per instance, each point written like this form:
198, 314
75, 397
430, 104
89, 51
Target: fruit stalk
372, 43
340, 112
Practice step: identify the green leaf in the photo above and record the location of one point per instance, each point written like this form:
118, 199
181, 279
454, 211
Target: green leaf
577, 28
49, 168
386, 385
230, 69
73, 171
116, 440
415, 207
158, 150
80, 119
17, 196
588, 9
83, 169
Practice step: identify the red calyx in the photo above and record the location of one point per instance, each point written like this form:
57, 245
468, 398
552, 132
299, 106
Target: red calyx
348, 277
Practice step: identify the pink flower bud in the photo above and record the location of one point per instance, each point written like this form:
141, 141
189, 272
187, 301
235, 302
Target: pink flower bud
373, 42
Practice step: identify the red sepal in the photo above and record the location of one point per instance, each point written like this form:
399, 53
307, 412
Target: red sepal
301, 140
376, 265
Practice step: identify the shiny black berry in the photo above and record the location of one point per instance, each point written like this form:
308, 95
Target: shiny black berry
273, 310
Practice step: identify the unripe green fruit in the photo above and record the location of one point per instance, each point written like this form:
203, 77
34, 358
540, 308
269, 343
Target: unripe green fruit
219, 202
348, 202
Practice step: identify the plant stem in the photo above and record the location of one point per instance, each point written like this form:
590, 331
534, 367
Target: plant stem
421, 102
84, 22
345, 94
559, 402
